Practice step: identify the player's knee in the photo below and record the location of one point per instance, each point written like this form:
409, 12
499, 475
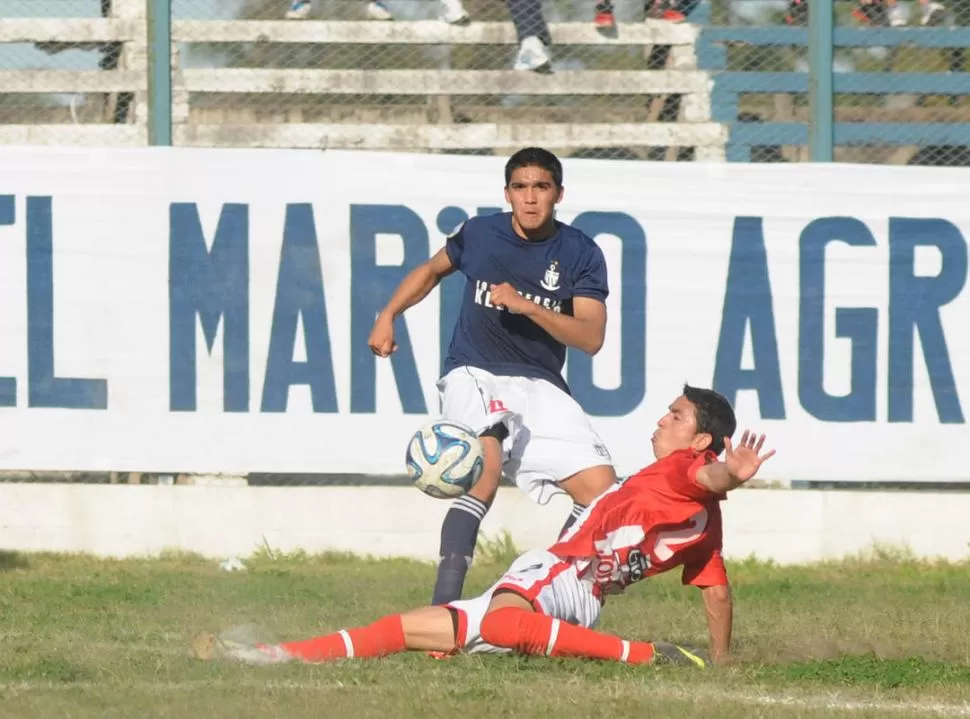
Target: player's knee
514, 628
588, 484
501, 627
487, 487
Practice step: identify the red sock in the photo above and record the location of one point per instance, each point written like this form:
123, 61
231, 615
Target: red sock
537, 634
383, 637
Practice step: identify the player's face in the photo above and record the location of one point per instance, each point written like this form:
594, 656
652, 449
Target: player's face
678, 430
533, 194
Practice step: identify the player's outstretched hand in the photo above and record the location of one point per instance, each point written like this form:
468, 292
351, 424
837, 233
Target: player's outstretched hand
381, 340
505, 295
746, 459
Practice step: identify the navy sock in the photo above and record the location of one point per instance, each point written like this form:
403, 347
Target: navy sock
571, 519
459, 534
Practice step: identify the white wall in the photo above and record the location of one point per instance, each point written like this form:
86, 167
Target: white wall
805, 288
806, 282
788, 526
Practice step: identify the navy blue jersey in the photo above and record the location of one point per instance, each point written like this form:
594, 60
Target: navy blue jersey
550, 272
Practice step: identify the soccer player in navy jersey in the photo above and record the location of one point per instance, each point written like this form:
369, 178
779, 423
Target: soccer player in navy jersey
534, 286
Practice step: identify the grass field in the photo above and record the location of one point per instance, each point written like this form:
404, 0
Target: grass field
82, 637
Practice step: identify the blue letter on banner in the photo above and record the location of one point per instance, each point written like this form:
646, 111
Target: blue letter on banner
449, 306
44, 389
213, 285
299, 291
858, 324
747, 299
8, 385
597, 401
371, 286
914, 306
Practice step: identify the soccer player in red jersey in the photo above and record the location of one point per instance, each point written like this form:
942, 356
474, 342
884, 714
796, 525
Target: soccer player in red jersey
665, 516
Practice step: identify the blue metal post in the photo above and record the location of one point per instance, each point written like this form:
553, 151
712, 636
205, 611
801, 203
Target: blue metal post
160, 72
821, 136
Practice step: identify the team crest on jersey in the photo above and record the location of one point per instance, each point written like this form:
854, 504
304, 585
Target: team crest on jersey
550, 280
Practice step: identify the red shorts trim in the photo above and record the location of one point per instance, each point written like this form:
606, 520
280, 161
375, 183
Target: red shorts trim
461, 636
532, 593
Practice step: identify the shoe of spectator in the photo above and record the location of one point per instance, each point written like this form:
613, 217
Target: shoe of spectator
873, 12
664, 10
933, 13
604, 18
533, 56
797, 12
453, 12
674, 16
896, 17
377, 10
299, 10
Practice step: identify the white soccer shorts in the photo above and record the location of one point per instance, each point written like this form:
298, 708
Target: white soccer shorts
550, 583
550, 437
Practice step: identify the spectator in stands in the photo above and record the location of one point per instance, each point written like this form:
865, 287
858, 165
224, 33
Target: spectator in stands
533, 34
110, 59
530, 26
672, 10
890, 12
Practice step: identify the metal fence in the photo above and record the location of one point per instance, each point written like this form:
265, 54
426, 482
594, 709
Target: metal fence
668, 79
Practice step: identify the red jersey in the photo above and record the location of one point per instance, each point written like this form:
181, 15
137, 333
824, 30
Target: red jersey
658, 519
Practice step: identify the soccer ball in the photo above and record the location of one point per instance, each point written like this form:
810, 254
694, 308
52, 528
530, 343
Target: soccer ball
445, 459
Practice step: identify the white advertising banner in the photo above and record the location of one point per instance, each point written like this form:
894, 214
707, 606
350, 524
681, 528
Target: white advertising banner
208, 310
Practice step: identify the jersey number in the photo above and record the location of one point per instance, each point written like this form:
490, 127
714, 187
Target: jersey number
668, 541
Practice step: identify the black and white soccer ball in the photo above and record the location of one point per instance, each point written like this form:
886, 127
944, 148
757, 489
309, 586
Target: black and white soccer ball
445, 459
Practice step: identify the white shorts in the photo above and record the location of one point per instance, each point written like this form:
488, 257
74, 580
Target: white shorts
550, 437
550, 583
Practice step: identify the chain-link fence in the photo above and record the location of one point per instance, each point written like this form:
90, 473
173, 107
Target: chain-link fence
473, 76
42, 69
912, 87
900, 80
647, 79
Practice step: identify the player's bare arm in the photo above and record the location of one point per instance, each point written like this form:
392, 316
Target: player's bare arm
413, 288
740, 464
720, 620
584, 330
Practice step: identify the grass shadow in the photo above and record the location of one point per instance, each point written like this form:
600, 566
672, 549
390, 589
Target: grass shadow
10, 561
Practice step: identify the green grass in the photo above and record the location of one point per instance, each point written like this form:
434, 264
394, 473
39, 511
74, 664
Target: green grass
875, 636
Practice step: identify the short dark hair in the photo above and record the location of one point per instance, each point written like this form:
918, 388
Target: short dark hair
534, 157
713, 414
